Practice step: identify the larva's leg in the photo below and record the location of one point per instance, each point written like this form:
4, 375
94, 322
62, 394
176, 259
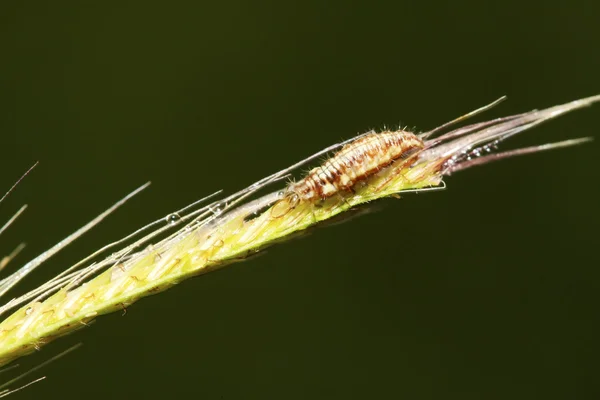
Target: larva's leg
393, 175
343, 198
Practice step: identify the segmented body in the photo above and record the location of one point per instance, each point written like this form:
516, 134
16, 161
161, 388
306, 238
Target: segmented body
354, 163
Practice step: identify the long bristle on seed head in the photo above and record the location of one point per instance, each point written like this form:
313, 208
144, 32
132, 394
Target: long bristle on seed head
476, 144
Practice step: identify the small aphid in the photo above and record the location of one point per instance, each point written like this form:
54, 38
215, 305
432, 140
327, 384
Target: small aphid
354, 163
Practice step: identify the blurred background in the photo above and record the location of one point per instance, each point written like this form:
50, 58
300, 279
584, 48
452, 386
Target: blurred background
486, 290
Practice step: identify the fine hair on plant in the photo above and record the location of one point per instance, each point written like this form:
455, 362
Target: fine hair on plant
218, 230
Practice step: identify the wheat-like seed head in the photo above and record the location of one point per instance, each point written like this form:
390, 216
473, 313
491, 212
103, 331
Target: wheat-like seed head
229, 230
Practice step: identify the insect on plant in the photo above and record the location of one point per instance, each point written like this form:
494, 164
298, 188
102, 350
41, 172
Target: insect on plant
200, 238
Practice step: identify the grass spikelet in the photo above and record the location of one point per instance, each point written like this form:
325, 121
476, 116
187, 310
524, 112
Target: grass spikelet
232, 228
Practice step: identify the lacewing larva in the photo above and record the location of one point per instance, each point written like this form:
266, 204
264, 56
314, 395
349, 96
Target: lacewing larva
355, 162
438, 153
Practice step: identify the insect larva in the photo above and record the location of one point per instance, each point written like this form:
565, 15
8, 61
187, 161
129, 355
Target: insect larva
354, 163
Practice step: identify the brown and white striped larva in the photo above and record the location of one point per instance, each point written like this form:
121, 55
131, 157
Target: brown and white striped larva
353, 164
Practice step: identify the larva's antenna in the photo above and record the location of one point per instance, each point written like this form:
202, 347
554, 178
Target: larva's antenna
462, 118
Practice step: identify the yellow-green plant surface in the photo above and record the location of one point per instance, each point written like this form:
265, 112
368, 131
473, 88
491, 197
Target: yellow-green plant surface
224, 237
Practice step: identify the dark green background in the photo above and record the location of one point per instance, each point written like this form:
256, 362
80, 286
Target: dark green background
488, 290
